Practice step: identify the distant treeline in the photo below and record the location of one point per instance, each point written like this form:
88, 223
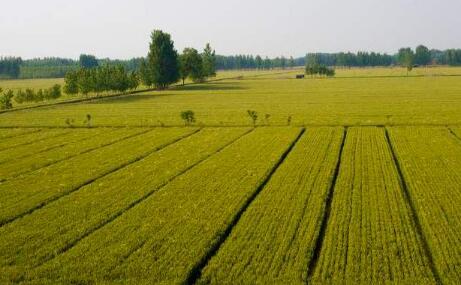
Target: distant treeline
423, 56
54, 67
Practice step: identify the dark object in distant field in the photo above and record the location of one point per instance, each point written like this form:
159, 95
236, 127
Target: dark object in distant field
299, 76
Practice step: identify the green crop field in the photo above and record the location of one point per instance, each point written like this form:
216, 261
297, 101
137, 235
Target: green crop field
354, 179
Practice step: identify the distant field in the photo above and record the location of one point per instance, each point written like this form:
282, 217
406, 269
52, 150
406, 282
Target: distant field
401, 100
363, 187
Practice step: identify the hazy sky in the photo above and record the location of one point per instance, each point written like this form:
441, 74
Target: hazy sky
121, 29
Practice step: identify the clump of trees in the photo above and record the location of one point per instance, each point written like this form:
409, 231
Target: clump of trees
40, 95
164, 66
100, 79
5, 99
314, 67
406, 58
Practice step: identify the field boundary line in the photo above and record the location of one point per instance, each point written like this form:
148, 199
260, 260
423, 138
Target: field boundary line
78, 187
48, 149
72, 156
195, 273
327, 211
138, 201
409, 202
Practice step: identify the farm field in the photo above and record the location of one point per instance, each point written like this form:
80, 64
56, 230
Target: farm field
361, 186
398, 100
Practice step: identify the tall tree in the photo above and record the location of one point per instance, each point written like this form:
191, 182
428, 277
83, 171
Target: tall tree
162, 64
422, 55
192, 65
406, 58
209, 61
88, 61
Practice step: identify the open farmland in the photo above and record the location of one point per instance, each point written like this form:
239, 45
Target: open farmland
395, 100
361, 186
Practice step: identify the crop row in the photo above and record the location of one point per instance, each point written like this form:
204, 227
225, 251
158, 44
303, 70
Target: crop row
274, 240
32, 137
371, 237
33, 190
36, 238
13, 132
430, 159
164, 238
72, 147
47, 144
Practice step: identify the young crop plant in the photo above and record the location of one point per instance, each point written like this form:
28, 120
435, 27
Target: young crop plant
253, 116
188, 117
371, 236
165, 238
101, 202
430, 161
274, 240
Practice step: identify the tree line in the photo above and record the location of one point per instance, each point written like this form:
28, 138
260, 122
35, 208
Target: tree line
100, 79
10, 67
29, 95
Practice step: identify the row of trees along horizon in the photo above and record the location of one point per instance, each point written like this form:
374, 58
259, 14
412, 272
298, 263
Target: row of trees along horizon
162, 67
55, 67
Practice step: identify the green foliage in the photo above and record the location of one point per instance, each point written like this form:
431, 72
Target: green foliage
161, 68
188, 117
88, 61
209, 61
10, 67
253, 116
422, 55
31, 95
5, 99
104, 78
71, 83
406, 58
191, 65
319, 69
